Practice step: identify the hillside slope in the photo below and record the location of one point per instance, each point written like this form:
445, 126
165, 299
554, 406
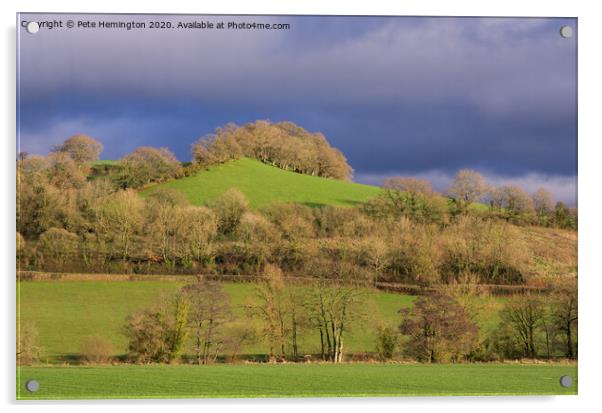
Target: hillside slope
264, 184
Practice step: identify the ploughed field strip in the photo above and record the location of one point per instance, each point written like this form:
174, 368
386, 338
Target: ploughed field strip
295, 380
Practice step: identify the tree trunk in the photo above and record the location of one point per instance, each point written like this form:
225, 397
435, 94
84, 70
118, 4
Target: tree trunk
294, 334
569, 340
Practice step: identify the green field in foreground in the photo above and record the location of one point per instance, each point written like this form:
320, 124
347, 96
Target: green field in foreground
264, 184
294, 380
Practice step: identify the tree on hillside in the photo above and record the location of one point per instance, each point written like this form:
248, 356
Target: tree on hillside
468, 187
523, 316
32, 164
543, 202
146, 165
516, 200
229, 209
209, 311
59, 245
80, 148
283, 144
63, 172
439, 329
563, 308
120, 217
414, 198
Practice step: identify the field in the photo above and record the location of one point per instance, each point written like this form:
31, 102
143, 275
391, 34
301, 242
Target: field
295, 380
264, 184
65, 312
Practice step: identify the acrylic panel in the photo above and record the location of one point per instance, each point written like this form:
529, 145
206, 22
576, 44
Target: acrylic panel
220, 206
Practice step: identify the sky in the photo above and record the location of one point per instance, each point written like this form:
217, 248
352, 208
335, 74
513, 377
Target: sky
419, 96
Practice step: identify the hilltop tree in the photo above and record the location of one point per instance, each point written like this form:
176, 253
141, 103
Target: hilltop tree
80, 148
516, 200
146, 165
543, 201
283, 144
468, 187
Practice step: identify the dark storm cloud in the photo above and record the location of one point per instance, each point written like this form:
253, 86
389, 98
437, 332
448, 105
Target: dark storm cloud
396, 95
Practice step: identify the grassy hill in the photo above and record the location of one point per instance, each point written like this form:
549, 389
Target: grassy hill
264, 184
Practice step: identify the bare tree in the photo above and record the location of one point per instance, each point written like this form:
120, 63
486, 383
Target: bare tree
439, 329
158, 333
119, 220
333, 305
146, 165
81, 148
564, 317
468, 187
523, 315
272, 309
209, 311
516, 200
543, 202
229, 209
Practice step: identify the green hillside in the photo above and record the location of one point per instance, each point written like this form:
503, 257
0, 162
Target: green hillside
264, 184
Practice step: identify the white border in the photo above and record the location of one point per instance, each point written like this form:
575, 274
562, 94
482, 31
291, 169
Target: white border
590, 159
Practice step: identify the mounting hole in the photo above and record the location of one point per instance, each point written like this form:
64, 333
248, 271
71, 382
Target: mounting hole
32, 27
32, 386
566, 381
566, 31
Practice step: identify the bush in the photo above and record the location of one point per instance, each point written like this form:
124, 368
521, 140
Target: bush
386, 342
27, 348
229, 209
96, 350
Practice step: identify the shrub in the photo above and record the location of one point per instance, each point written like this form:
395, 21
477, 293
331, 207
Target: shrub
96, 350
229, 208
386, 342
28, 350
59, 245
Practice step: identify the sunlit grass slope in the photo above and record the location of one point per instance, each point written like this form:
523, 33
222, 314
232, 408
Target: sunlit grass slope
264, 184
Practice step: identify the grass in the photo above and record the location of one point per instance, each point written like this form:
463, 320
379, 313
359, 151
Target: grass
65, 312
294, 380
264, 184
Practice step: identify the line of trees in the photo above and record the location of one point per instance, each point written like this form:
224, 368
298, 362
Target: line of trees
199, 325
71, 220
282, 144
